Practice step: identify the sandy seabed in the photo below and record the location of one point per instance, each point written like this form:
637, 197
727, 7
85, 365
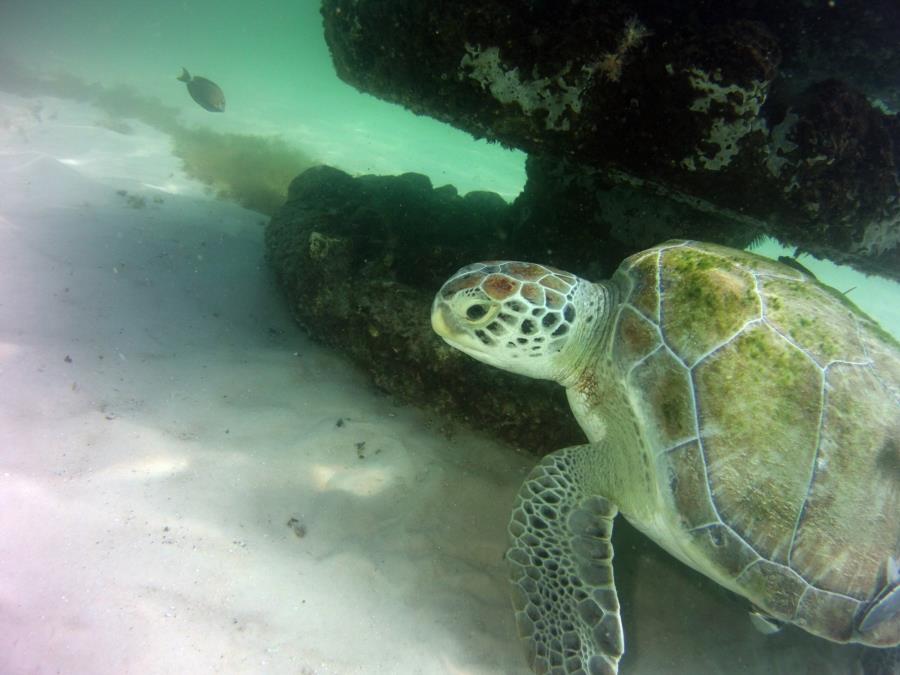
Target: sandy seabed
189, 485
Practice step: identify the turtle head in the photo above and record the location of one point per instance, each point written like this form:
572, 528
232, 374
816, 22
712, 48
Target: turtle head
523, 317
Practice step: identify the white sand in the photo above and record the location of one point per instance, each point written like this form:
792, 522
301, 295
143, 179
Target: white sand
162, 420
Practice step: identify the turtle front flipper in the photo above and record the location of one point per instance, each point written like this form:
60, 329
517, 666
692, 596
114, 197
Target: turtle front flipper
560, 559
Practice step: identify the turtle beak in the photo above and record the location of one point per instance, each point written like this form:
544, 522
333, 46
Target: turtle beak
445, 324
441, 320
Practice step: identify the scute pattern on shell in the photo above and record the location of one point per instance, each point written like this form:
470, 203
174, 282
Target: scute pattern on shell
772, 402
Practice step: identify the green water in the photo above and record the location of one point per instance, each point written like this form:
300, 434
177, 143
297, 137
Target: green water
286, 109
271, 60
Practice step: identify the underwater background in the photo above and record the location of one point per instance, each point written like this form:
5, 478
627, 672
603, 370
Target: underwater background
271, 60
188, 482
286, 111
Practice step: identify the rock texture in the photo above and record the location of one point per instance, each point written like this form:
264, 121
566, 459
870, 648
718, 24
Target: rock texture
584, 221
743, 109
360, 260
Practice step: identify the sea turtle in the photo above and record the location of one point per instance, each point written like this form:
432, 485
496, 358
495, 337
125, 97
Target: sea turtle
740, 413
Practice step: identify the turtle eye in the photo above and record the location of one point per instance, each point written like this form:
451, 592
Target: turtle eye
475, 312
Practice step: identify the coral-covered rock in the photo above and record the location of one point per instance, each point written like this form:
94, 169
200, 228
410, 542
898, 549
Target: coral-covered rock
359, 260
710, 104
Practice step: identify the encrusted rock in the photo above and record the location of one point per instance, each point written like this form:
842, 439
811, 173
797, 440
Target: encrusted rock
360, 260
703, 106
581, 219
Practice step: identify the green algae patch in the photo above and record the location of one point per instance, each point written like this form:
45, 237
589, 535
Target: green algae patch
759, 398
705, 301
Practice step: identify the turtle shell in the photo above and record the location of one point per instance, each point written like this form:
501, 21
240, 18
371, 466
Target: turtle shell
773, 404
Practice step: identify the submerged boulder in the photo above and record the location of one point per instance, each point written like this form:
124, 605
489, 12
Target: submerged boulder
725, 107
360, 260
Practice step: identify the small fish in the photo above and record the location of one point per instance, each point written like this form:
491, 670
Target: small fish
205, 92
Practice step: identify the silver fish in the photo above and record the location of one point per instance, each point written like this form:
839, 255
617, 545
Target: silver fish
205, 92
